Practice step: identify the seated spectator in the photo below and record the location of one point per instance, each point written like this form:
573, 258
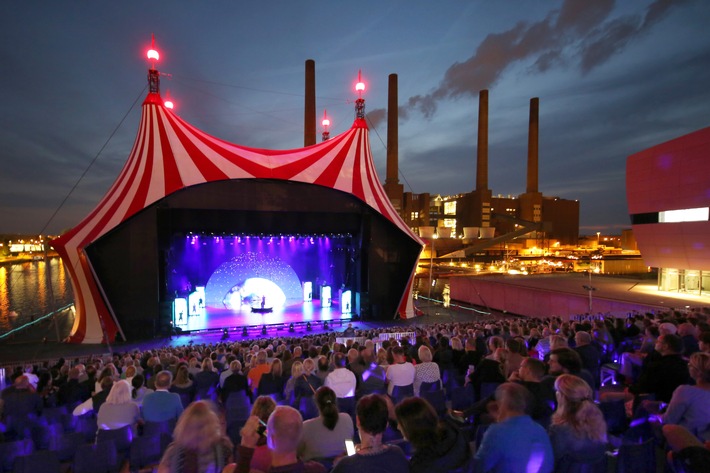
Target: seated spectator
119, 411
515, 444
324, 436
307, 384
427, 371
373, 377
690, 405
258, 368
283, 433
578, 430
438, 446
206, 381
139, 390
272, 383
199, 444
566, 361
663, 376
687, 333
235, 383
183, 385
687, 449
73, 391
290, 386
517, 352
372, 456
704, 342
491, 369
634, 360
341, 380
162, 405
590, 355
93, 404
21, 404
262, 408
401, 372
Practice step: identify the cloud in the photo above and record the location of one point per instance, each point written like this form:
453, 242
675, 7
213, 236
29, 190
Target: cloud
580, 29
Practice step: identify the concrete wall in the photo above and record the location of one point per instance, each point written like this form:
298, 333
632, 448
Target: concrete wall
532, 302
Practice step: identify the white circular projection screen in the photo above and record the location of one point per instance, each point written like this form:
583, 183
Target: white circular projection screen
254, 280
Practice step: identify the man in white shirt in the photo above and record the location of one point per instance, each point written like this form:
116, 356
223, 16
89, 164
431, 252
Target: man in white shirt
341, 380
401, 373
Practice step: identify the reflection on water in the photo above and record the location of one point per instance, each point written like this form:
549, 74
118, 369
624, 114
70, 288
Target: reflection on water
24, 290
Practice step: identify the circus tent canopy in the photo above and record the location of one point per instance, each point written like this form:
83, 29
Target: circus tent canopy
170, 156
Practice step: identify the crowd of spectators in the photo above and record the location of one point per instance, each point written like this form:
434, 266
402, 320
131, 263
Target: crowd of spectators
534, 385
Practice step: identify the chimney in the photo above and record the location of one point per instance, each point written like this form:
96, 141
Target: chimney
309, 116
482, 156
533, 146
392, 132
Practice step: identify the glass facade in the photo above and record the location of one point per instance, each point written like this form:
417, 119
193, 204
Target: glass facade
684, 280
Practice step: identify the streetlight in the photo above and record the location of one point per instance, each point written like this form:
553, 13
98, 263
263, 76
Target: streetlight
598, 233
431, 261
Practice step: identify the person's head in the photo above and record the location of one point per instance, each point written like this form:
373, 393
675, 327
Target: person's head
183, 375
327, 404
22, 382
576, 408
418, 421
261, 357
494, 343
207, 365
163, 380
582, 338
296, 370
308, 366
130, 371
513, 400
704, 341
106, 383
372, 414
353, 355
276, 368
669, 344
699, 366
565, 360
263, 407
531, 369
137, 382
120, 393
284, 430
424, 354
339, 360
235, 366
398, 354
198, 428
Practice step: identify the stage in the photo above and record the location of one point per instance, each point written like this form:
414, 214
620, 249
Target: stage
298, 314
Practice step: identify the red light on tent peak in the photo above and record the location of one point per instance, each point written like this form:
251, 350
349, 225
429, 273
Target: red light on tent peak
326, 121
360, 86
168, 102
153, 54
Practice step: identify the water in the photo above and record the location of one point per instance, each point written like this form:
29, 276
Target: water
24, 290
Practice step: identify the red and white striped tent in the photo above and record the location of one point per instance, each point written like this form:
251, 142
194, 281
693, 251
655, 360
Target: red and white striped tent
170, 155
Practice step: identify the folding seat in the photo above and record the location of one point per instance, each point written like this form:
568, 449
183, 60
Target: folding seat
66, 444
121, 439
158, 428
44, 461
488, 389
347, 405
462, 397
146, 450
426, 387
42, 434
9, 451
437, 399
96, 458
636, 457
307, 407
401, 392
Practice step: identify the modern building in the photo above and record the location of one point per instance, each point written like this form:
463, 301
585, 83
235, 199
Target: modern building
668, 195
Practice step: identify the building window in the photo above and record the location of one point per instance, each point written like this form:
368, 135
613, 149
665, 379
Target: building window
415, 215
684, 215
450, 222
450, 208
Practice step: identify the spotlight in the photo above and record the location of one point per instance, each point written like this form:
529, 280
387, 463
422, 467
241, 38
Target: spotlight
263, 329
325, 325
290, 327
308, 327
244, 332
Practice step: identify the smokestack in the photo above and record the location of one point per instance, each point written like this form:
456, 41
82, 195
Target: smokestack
392, 132
482, 156
533, 145
309, 116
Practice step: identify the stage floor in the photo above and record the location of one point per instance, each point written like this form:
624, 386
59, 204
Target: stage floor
212, 318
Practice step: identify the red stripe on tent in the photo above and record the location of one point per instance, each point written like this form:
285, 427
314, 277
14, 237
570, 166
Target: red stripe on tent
330, 174
173, 181
208, 169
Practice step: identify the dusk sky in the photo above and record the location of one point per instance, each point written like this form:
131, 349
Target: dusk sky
613, 78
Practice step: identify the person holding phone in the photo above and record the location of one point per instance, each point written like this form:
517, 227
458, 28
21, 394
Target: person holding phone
372, 455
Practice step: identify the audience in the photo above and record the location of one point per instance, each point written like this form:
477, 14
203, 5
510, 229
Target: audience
119, 410
341, 380
426, 371
162, 405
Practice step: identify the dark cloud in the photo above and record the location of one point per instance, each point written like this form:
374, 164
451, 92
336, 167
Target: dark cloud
580, 25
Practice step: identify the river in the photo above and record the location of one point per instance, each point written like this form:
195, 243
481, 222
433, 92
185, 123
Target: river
25, 291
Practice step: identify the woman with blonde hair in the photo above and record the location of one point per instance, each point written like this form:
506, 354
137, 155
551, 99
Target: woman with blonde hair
427, 371
119, 410
578, 429
199, 444
273, 381
290, 386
